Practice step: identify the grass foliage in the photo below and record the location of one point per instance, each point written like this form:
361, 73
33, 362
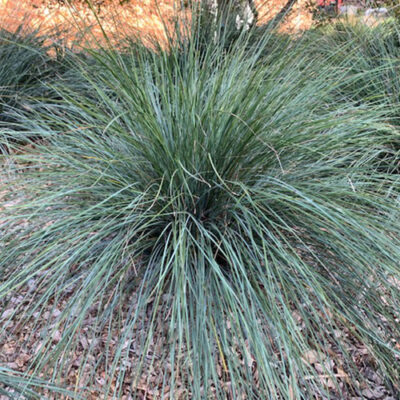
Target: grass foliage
29, 62
369, 55
366, 61
23, 62
216, 214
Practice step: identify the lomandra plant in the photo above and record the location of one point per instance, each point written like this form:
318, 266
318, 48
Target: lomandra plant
366, 57
215, 228
25, 63
366, 62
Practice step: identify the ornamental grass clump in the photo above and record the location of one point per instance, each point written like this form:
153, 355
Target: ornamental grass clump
25, 63
366, 62
204, 227
365, 58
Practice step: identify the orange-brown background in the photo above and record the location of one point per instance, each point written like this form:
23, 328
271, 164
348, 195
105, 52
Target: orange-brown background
143, 16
